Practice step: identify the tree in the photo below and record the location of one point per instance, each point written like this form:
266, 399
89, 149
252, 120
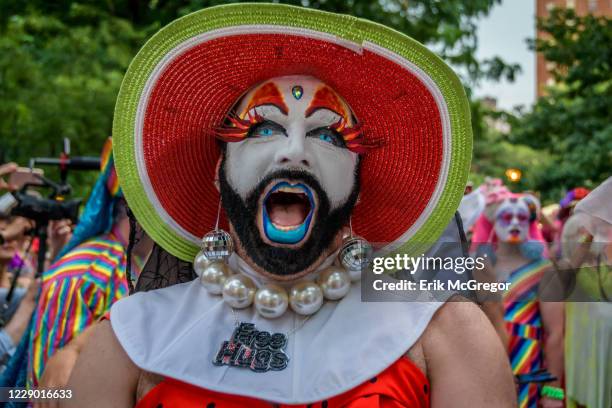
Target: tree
60, 80
572, 122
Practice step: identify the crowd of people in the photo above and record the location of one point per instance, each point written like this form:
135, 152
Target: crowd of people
48, 316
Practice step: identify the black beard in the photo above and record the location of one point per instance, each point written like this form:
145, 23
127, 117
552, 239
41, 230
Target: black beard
285, 261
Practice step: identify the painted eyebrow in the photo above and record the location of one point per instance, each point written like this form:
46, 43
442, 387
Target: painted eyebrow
268, 94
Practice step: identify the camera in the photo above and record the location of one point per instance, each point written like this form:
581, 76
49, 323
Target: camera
25, 203
45, 209
42, 210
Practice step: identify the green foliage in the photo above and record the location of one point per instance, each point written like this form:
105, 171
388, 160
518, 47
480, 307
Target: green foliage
572, 123
60, 80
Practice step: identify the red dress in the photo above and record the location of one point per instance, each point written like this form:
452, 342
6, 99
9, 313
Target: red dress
401, 385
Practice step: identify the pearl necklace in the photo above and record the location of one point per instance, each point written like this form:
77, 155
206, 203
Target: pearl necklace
272, 300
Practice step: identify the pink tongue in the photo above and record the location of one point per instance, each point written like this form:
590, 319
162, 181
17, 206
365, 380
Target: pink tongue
287, 215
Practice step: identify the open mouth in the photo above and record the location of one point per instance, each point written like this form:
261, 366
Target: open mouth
288, 210
515, 232
514, 235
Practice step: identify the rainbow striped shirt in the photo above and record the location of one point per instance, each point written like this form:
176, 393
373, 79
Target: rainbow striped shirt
76, 291
524, 326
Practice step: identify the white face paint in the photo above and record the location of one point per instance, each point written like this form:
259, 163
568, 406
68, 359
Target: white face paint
512, 221
290, 146
298, 112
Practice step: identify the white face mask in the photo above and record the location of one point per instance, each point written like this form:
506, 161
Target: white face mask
512, 221
294, 126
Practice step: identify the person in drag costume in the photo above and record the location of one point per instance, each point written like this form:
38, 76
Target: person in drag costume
278, 149
531, 322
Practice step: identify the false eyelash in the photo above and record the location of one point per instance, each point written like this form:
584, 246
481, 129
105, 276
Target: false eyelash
353, 137
237, 129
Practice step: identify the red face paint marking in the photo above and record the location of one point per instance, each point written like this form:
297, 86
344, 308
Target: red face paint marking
326, 98
267, 94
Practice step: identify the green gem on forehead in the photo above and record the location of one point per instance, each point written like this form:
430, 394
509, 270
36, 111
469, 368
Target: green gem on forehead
297, 92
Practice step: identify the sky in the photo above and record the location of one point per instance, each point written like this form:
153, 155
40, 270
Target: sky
503, 32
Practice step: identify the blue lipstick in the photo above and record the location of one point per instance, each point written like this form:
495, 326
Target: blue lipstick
294, 233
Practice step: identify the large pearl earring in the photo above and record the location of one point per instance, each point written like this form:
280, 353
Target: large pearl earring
271, 301
305, 298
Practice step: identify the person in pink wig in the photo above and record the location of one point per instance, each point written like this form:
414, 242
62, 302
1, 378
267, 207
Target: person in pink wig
530, 317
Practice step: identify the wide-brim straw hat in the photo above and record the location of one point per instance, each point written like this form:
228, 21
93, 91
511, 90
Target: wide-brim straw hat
181, 85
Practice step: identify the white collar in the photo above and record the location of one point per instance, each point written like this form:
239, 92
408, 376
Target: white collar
177, 331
